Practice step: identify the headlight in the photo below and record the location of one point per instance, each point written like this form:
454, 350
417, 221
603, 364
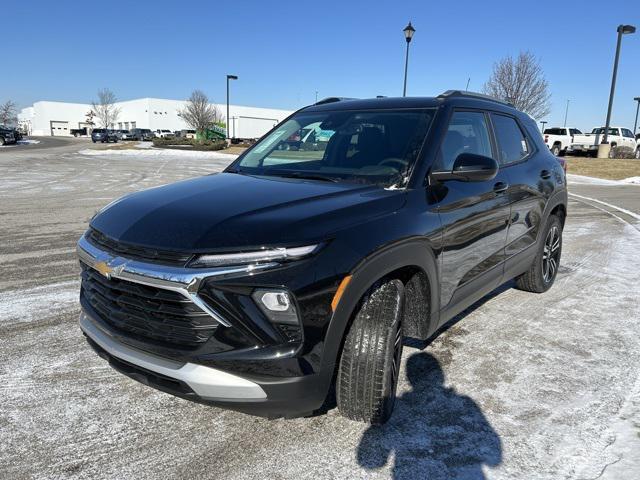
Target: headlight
258, 256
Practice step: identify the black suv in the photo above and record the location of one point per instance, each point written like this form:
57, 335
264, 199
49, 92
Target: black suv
298, 270
103, 135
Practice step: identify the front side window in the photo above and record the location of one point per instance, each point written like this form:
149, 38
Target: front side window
575, 131
467, 133
512, 144
367, 146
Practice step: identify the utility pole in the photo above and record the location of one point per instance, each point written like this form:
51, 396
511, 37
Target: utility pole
566, 112
229, 77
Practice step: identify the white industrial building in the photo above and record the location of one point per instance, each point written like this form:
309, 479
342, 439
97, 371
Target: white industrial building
59, 118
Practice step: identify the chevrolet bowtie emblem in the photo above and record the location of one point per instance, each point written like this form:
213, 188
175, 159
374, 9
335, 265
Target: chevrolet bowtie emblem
108, 270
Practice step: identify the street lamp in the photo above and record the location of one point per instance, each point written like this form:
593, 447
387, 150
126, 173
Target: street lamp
622, 30
543, 122
635, 125
229, 77
408, 35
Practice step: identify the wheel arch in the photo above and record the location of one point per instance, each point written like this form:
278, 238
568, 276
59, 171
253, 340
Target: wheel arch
414, 263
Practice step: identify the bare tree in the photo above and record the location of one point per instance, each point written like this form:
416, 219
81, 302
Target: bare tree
521, 82
105, 108
198, 113
8, 113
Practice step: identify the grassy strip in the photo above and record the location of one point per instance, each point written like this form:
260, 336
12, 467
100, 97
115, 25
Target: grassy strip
610, 169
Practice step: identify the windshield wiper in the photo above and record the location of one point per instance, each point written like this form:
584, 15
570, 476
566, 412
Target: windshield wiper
304, 175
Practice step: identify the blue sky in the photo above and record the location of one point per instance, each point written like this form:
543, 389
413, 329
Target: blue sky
284, 51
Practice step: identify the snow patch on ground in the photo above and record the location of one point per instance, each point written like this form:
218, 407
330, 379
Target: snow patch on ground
21, 306
160, 152
583, 180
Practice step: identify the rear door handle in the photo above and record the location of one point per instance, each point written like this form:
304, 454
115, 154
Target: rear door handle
500, 187
545, 174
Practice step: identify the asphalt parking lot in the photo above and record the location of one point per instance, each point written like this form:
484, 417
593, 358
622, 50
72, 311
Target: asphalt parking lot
521, 386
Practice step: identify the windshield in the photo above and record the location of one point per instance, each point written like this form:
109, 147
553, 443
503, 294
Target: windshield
368, 146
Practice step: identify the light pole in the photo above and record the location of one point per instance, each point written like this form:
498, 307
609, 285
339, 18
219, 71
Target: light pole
229, 77
622, 30
408, 35
566, 112
543, 122
635, 125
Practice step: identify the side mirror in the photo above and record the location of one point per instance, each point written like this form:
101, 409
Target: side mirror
469, 167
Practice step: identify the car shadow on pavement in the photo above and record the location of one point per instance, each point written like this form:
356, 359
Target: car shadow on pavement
434, 432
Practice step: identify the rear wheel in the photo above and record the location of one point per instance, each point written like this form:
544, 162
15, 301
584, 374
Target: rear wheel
555, 150
370, 362
544, 269
637, 155
2, 142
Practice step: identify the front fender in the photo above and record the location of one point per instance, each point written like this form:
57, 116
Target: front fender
414, 252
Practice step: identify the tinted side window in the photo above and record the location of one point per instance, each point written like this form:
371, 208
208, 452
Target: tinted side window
467, 133
512, 144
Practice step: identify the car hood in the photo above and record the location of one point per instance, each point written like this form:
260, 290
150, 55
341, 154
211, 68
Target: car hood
228, 211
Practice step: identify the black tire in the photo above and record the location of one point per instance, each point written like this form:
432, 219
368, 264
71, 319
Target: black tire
542, 273
637, 155
370, 361
2, 141
612, 151
555, 150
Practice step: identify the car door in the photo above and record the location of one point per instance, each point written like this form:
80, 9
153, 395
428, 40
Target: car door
474, 216
629, 140
530, 181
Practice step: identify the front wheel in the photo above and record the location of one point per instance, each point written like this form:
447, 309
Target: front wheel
637, 155
370, 361
544, 269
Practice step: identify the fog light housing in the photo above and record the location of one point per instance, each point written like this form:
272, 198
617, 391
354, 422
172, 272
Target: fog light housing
277, 305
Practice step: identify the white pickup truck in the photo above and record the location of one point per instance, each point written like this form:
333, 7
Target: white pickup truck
618, 137
559, 139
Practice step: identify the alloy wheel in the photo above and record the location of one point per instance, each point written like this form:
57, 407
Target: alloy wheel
551, 254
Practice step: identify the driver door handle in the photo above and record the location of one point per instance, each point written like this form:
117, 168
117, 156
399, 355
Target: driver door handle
545, 174
500, 187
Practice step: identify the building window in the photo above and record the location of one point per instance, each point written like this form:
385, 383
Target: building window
126, 125
119, 125
133, 125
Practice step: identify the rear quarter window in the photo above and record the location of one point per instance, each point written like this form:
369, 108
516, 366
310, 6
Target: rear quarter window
513, 145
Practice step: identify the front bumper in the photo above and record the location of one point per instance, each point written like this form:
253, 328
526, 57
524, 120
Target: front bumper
206, 382
272, 380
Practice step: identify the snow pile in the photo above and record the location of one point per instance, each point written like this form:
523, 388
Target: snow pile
583, 180
160, 152
19, 306
28, 142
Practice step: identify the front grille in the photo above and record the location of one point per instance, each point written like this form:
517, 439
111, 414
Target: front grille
146, 313
136, 252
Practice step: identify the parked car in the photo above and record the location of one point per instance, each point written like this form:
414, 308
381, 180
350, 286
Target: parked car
558, 139
78, 132
164, 133
618, 137
191, 134
124, 135
263, 287
103, 135
7, 136
141, 134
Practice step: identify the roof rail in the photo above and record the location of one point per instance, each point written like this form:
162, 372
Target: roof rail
332, 100
480, 96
